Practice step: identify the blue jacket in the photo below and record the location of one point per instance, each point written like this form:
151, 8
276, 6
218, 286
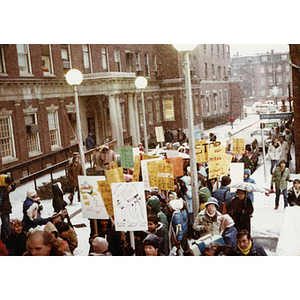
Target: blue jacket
187, 194
219, 195
229, 236
250, 195
180, 224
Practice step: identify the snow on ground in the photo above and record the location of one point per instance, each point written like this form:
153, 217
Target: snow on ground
266, 222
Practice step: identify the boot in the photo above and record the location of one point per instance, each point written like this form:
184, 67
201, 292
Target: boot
276, 207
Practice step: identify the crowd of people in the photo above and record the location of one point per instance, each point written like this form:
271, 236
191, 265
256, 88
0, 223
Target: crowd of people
172, 228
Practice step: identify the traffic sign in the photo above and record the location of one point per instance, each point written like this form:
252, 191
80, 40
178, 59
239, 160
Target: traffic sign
284, 115
274, 125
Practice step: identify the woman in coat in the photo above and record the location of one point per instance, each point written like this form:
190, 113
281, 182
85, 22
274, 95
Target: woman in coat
280, 176
274, 151
228, 230
294, 193
207, 221
241, 210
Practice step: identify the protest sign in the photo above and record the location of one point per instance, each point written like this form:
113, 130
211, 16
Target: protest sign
201, 153
236, 173
177, 163
126, 157
136, 169
129, 206
145, 172
91, 200
115, 175
238, 146
216, 161
152, 172
159, 132
113, 165
105, 191
165, 177
147, 156
172, 153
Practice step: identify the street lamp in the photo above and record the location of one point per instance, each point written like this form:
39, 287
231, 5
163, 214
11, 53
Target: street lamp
74, 77
141, 82
186, 48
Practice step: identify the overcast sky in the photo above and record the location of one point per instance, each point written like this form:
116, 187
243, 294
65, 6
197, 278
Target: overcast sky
250, 49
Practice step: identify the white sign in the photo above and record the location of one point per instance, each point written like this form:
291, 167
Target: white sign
159, 132
129, 206
91, 201
236, 173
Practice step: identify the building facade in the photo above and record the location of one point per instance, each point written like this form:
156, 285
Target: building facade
37, 107
265, 76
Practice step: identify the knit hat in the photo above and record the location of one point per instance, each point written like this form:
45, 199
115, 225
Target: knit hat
177, 204
212, 200
225, 180
152, 240
100, 245
226, 221
31, 193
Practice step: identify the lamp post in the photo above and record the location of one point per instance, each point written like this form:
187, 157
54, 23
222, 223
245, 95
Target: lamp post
185, 48
74, 77
141, 82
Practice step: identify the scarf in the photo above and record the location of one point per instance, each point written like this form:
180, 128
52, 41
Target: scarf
247, 250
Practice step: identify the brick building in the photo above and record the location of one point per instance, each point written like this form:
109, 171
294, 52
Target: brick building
265, 76
37, 110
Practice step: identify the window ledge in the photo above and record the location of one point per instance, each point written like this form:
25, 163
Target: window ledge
36, 153
3, 75
26, 75
49, 75
55, 148
9, 160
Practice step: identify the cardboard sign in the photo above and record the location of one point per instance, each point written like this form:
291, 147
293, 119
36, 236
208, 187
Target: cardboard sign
129, 206
145, 176
147, 156
152, 173
216, 161
105, 191
159, 132
113, 165
177, 163
92, 203
238, 146
136, 169
115, 175
165, 177
126, 157
201, 153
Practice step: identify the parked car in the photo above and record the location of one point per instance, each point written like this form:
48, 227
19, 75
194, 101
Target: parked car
267, 138
251, 145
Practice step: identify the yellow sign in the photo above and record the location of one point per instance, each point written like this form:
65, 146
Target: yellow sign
115, 175
165, 177
152, 173
136, 169
147, 156
105, 191
113, 164
216, 161
201, 153
238, 146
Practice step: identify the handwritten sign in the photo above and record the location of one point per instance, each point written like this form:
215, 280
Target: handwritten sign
113, 165
147, 156
144, 167
129, 206
216, 161
159, 132
92, 203
115, 175
152, 172
105, 191
136, 169
126, 157
177, 163
238, 146
165, 177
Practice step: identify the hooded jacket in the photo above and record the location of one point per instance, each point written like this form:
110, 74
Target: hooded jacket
187, 193
155, 204
250, 180
223, 192
280, 179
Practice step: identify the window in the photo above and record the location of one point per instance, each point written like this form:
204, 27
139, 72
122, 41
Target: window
150, 110
279, 68
205, 70
279, 78
141, 113
32, 134
262, 81
2, 61
287, 68
262, 70
117, 60
66, 58
220, 100
223, 46
128, 58
137, 61
284, 57
287, 78
270, 92
224, 71
204, 48
24, 58
169, 109
264, 59
253, 93
105, 66
218, 50
270, 80
207, 102
270, 69
263, 93
211, 48
155, 63
213, 69
6, 138
157, 110
47, 59
215, 101
146, 64
54, 129
197, 106
86, 58
219, 72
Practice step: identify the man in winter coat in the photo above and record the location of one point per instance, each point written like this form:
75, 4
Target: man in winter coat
31, 215
248, 164
89, 142
168, 136
96, 160
153, 205
207, 221
5, 206
181, 137
178, 225
247, 247
222, 194
107, 156
274, 151
280, 176
285, 150
247, 178
228, 230
294, 193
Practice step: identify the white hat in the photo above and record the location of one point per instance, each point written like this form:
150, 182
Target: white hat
31, 193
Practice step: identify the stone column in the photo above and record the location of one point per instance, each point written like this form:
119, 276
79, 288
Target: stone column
119, 121
133, 129
114, 120
136, 118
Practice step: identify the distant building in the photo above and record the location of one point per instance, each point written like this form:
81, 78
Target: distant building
265, 76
